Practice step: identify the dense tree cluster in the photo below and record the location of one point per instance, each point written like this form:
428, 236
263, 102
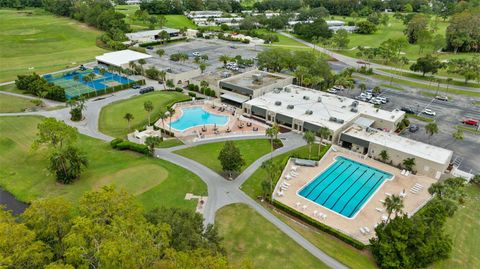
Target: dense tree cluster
463, 32
38, 86
285, 5
107, 230
317, 29
419, 241
389, 51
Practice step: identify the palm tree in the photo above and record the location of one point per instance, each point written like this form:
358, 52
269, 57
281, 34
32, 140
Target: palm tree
409, 163
300, 73
309, 136
170, 111
272, 133
153, 141
224, 59
148, 106
128, 117
163, 77
393, 203
431, 129
363, 87
163, 116
67, 164
449, 80
323, 133
384, 155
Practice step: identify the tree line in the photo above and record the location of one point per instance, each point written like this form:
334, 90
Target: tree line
181, 6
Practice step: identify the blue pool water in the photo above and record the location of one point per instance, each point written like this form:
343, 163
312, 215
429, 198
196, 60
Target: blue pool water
345, 186
196, 116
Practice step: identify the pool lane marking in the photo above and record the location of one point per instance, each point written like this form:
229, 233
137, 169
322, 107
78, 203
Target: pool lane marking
366, 195
347, 189
333, 180
351, 197
332, 192
337, 164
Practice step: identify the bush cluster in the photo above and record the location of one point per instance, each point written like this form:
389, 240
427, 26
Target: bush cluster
232, 39
36, 85
121, 144
203, 90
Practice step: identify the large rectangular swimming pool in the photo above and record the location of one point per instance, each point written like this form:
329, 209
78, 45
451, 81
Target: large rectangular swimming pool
345, 186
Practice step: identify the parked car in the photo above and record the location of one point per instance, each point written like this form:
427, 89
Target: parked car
146, 90
413, 128
441, 97
429, 112
339, 87
332, 90
136, 86
361, 98
366, 95
470, 122
196, 53
407, 110
384, 100
375, 101
150, 47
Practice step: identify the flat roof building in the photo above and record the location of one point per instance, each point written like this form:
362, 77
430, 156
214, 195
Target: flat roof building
204, 14
243, 87
152, 35
121, 58
429, 160
302, 109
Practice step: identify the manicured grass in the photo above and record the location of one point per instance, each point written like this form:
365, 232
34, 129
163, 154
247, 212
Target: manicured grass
253, 187
426, 86
207, 154
464, 228
426, 78
282, 40
11, 88
43, 42
420, 118
170, 143
24, 172
335, 248
476, 103
392, 87
468, 129
250, 237
111, 121
9, 103
173, 21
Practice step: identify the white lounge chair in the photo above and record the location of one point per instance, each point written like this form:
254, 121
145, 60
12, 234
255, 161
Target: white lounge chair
362, 230
384, 217
379, 209
324, 216
293, 173
403, 172
283, 188
285, 183
403, 194
315, 212
294, 168
382, 201
297, 204
280, 193
388, 194
288, 177
407, 173
366, 230
418, 185
304, 207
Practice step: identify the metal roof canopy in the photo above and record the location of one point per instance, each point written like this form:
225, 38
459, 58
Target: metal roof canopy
235, 98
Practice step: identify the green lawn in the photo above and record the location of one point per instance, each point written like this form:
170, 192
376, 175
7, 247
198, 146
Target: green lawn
173, 21
464, 228
40, 42
207, 154
392, 87
9, 103
253, 187
427, 78
170, 143
420, 118
111, 121
155, 182
250, 238
468, 129
11, 88
282, 40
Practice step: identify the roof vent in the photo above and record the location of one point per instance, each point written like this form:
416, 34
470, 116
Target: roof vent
287, 89
319, 99
309, 112
354, 110
290, 106
306, 97
333, 119
354, 103
340, 121
278, 103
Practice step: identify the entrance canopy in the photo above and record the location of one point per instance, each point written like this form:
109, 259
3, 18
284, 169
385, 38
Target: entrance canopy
235, 98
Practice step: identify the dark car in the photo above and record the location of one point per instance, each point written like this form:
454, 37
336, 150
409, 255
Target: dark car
146, 90
136, 87
407, 110
150, 47
413, 128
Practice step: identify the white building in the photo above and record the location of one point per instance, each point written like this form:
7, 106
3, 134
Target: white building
204, 14
121, 58
301, 109
153, 35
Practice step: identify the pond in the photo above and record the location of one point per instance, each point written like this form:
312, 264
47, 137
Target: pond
11, 203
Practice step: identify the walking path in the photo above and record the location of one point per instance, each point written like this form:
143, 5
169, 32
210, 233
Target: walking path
353, 62
221, 192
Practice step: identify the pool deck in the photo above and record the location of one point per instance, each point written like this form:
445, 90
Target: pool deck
233, 124
368, 215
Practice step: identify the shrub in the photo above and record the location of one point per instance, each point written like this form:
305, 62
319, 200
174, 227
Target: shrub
178, 89
192, 94
121, 144
345, 238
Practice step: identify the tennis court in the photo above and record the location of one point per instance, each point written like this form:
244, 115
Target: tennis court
90, 81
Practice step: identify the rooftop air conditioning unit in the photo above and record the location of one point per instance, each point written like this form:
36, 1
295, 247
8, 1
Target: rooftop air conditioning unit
290, 107
306, 97
319, 99
309, 112
340, 121
278, 103
257, 77
287, 89
354, 103
354, 110
333, 119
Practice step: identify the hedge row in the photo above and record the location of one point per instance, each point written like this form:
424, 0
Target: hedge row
345, 238
160, 42
121, 144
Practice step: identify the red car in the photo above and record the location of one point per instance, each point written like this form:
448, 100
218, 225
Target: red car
470, 122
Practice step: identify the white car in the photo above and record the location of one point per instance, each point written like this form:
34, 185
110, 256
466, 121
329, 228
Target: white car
334, 91
429, 112
196, 53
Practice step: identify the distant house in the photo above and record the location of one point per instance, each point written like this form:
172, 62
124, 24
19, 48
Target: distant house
133, 2
152, 35
204, 14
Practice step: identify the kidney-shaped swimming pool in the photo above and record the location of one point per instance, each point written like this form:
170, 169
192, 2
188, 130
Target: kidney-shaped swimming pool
197, 116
